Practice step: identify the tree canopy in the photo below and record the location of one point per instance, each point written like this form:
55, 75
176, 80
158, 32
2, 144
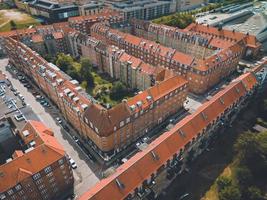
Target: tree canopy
79, 71
118, 90
252, 152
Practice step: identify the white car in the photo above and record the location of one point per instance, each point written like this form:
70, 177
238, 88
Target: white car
59, 120
145, 139
138, 144
73, 164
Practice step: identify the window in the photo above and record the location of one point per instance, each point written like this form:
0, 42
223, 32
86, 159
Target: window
121, 123
21, 193
41, 187
10, 192
50, 174
18, 187
39, 181
2, 196
48, 169
51, 180
36, 176
128, 120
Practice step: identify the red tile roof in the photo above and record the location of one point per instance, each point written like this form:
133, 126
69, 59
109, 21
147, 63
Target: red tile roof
25, 164
36, 38
132, 173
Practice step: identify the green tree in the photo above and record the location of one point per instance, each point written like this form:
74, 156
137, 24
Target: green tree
223, 182
252, 152
243, 176
230, 193
13, 25
64, 62
118, 90
86, 71
253, 193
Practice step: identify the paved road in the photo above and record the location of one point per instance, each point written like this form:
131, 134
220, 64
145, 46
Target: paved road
84, 175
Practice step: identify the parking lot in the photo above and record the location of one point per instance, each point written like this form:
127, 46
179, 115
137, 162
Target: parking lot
87, 171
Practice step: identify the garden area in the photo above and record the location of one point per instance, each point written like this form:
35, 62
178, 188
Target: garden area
245, 177
12, 19
101, 86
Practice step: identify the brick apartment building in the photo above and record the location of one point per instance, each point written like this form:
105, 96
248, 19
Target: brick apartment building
113, 129
37, 168
203, 55
84, 23
132, 71
164, 158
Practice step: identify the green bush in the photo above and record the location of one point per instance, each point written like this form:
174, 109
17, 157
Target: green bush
243, 176
230, 193
253, 193
223, 182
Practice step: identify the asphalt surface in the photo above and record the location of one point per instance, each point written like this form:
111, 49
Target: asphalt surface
86, 173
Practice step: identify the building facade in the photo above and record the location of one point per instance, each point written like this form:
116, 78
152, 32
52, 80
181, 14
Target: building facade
113, 129
27, 177
166, 156
204, 60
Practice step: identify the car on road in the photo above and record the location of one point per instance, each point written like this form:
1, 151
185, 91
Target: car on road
43, 102
36, 93
39, 97
145, 139
73, 164
75, 139
21, 97
59, 120
28, 86
19, 117
138, 144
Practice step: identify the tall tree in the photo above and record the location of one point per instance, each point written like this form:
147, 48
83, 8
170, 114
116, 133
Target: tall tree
64, 62
86, 71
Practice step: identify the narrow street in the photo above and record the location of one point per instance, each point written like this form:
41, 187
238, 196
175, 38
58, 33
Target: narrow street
85, 173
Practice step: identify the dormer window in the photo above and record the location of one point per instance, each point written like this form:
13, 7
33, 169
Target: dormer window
121, 123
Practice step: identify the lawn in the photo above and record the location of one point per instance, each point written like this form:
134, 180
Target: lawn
212, 193
22, 20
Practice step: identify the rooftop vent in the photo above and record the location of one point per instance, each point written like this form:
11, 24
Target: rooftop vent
204, 116
119, 184
32, 143
26, 133
182, 133
221, 100
139, 103
132, 107
154, 155
149, 98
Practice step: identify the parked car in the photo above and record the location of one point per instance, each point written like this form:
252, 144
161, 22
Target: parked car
145, 139
73, 164
75, 139
21, 96
59, 120
137, 145
39, 97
